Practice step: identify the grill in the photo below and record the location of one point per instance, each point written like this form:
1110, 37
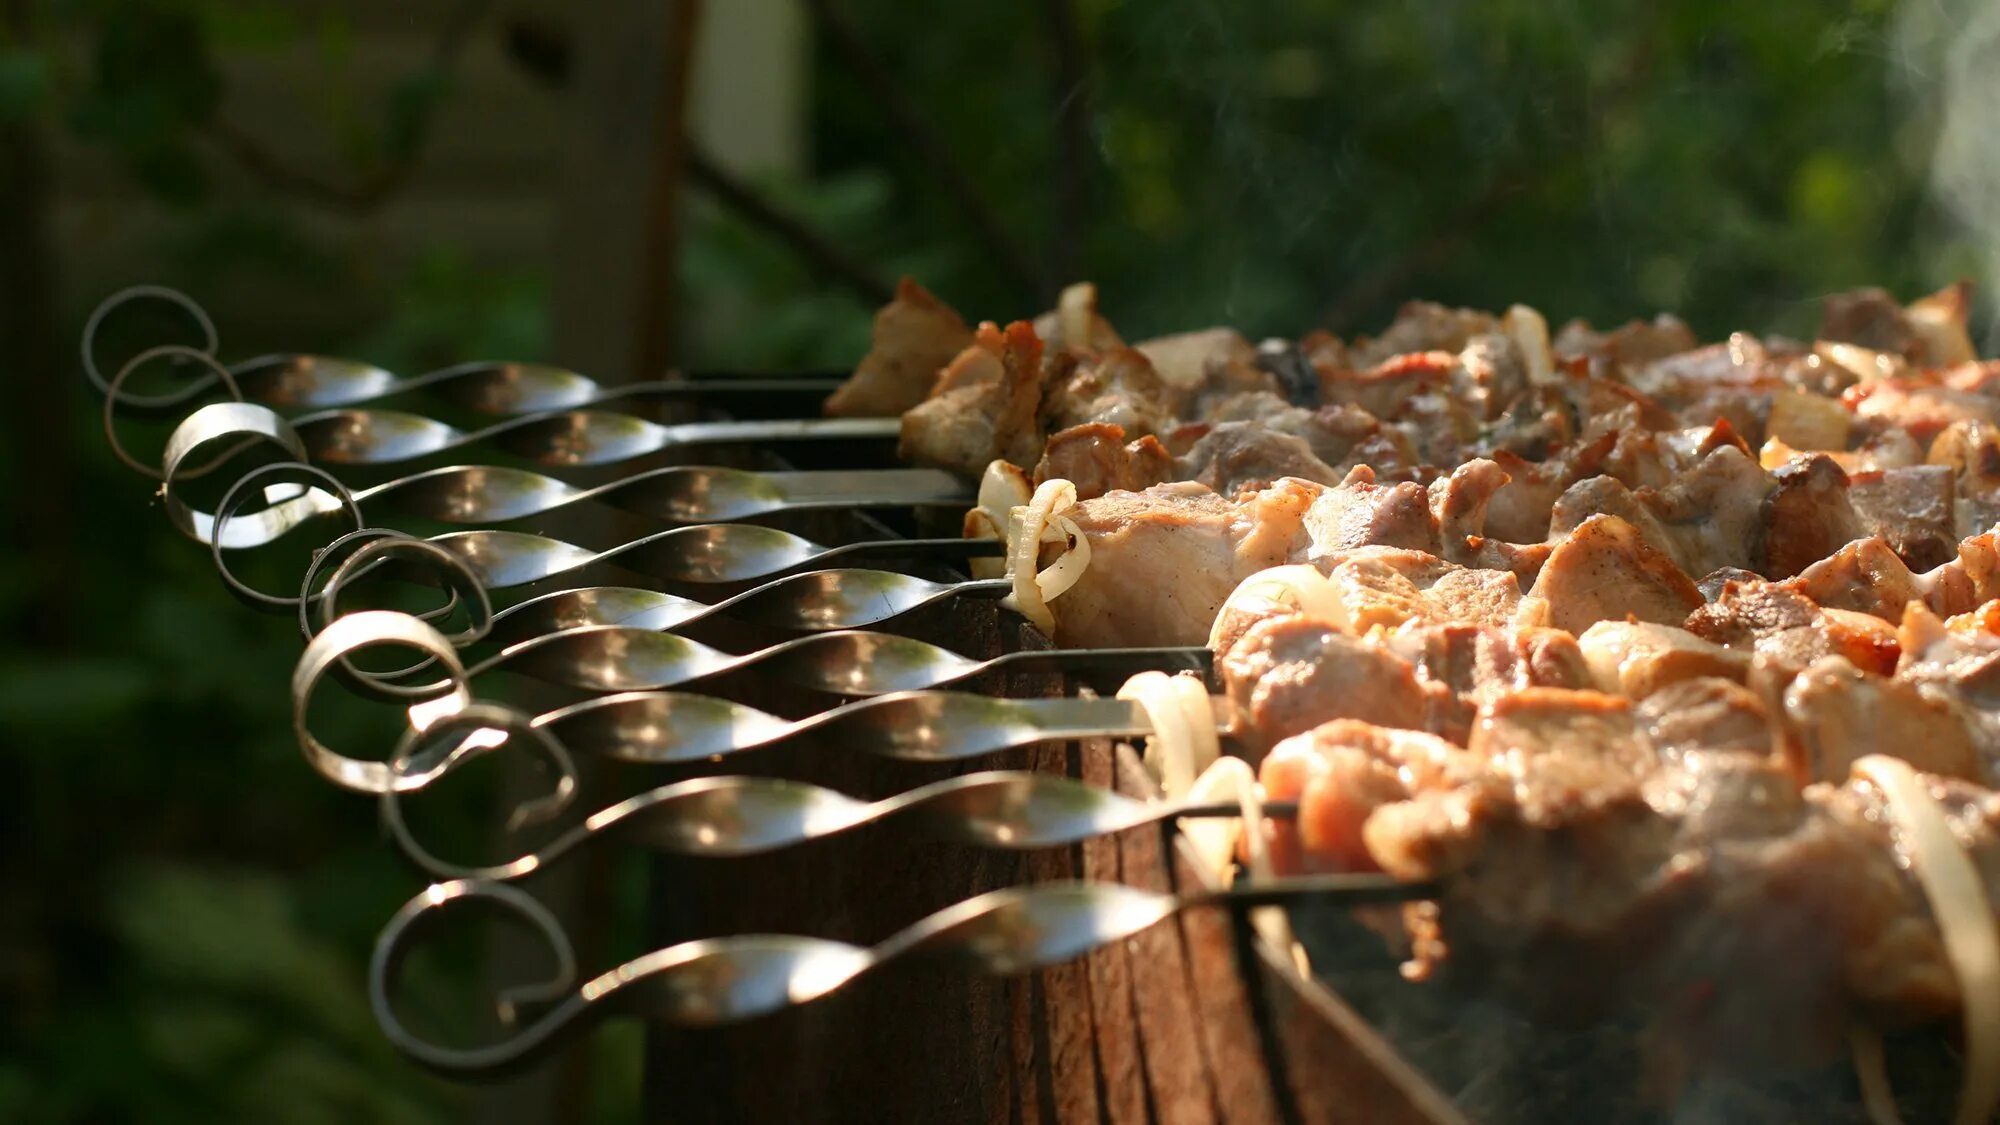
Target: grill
1099, 976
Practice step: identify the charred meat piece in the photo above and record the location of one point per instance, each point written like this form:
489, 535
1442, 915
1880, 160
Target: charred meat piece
1783, 626
1808, 516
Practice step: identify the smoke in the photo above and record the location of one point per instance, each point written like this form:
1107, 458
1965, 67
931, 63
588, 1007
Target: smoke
1948, 55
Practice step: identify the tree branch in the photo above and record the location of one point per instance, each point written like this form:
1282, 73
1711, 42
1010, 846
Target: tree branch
743, 199
928, 147
378, 186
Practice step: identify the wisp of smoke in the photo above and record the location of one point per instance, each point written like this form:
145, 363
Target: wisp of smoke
1949, 64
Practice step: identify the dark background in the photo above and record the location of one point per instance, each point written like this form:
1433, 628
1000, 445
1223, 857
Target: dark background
185, 911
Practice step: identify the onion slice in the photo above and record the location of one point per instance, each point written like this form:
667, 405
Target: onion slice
1298, 585
1214, 841
1041, 520
1877, 1099
1965, 921
1183, 742
1002, 488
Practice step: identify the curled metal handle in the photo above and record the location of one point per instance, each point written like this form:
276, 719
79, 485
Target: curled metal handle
319, 382
114, 393
739, 816
560, 438
346, 636
721, 981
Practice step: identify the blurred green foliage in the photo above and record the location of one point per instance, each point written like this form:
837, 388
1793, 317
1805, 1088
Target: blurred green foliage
185, 920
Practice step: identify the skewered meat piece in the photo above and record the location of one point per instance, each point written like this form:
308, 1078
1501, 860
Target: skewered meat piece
1869, 317
1187, 361
1782, 626
1360, 513
1463, 667
1387, 587
1638, 659
1705, 714
1292, 673
1632, 344
1835, 715
982, 407
1605, 570
1915, 509
914, 336
1683, 875
1164, 559
1118, 386
1097, 459
1235, 456
1423, 326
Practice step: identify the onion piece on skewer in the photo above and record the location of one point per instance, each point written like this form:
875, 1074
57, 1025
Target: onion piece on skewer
1041, 520
1297, 586
1964, 915
1003, 488
1183, 742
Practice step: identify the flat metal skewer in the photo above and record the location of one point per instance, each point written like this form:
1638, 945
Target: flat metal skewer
716, 982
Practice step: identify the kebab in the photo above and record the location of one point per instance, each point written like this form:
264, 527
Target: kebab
1601, 632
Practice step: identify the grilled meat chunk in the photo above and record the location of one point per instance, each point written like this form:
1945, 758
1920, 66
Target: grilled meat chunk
914, 336
1235, 456
1164, 559
1097, 459
983, 406
1290, 674
1606, 571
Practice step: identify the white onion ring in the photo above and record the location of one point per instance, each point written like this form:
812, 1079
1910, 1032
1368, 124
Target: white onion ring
1877, 1099
1027, 527
1965, 921
1530, 332
1214, 841
1183, 726
1298, 585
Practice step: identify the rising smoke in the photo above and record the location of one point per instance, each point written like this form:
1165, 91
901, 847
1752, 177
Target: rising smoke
1948, 56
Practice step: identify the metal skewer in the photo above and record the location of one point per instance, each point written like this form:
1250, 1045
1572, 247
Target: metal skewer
814, 600
616, 658
711, 552
674, 727
558, 438
739, 816
721, 981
